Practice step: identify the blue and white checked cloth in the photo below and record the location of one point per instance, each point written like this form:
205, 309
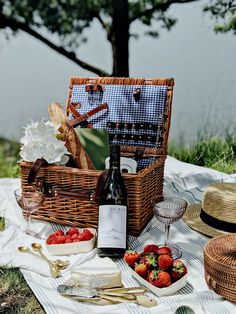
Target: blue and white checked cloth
123, 108
187, 181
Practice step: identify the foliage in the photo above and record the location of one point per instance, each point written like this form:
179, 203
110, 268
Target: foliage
9, 155
213, 152
65, 23
224, 11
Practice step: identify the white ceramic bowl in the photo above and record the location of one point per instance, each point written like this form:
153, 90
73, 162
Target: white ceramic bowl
161, 291
73, 248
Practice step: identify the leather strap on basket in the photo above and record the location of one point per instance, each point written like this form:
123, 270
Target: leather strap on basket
82, 117
55, 191
51, 190
35, 169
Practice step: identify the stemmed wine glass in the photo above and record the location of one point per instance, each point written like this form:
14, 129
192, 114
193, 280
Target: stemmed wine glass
168, 210
29, 201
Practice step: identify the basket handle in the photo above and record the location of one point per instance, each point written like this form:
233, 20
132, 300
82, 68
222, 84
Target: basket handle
54, 191
35, 169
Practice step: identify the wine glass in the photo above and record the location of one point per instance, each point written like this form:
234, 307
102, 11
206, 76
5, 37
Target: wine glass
29, 201
168, 210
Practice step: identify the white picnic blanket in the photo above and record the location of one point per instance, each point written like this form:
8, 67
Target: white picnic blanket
187, 181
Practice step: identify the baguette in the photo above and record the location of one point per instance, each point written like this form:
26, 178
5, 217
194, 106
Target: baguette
68, 134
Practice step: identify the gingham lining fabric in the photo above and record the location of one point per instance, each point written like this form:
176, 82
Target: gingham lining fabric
123, 108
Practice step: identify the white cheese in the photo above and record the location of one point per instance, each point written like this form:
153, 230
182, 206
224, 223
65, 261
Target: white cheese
97, 273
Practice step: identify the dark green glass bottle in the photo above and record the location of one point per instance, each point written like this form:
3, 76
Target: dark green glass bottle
113, 211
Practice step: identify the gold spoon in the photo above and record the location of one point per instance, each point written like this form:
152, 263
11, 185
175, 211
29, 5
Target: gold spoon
54, 269
25, 249
61, 264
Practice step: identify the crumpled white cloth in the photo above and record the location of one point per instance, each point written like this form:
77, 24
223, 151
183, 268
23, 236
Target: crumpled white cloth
13, 237
186, 180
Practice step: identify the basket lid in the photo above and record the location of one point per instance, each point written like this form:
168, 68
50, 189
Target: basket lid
220, 265
222, 250
138, 114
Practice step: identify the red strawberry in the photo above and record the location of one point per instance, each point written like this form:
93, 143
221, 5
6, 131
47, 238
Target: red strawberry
76, 240
72, 230
178, 269
152, 275
61, 238
50, 238
164, 250
141, 269
68, 239
132, 257
55, 241
163, 280
87, 235
150, 248
150, 260
59, 233
74, 236
164, 261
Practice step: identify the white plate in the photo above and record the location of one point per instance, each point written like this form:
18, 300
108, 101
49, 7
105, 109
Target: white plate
161, 291
126, 164
73, 248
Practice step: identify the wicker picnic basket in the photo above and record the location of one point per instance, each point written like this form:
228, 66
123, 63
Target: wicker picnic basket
220, 265
141, 186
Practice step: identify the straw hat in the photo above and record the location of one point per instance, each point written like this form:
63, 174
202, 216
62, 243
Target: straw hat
216, 215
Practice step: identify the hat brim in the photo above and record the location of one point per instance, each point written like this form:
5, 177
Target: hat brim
193, 220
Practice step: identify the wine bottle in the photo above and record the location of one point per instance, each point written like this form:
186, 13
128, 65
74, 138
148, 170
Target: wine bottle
113, 211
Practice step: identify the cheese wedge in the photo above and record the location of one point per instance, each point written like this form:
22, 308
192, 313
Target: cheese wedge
96, 273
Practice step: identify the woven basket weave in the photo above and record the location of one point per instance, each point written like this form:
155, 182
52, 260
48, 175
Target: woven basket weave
220, 265
141, 187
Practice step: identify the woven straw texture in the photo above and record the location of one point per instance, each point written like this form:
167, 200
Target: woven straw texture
219, 201
220, 265
83, 213
141, 187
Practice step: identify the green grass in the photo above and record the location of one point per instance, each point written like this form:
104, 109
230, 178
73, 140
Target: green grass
9, 155
216, 153
15, 295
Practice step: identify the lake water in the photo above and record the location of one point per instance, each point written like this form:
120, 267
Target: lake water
202, 63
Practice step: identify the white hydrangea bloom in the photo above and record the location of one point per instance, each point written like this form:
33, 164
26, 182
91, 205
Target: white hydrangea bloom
39, 141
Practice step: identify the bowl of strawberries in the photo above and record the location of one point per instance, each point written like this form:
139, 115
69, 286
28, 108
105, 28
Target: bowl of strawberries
155, 269
72, 241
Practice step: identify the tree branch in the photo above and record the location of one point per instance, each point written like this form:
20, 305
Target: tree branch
14, 25
105, 26
159, 6
98, 17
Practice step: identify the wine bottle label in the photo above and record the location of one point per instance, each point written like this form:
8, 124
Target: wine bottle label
112, 228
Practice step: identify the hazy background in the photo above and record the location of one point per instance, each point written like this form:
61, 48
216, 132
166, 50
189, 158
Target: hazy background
202, 63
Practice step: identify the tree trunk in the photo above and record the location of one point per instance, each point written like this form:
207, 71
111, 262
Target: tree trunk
119, 37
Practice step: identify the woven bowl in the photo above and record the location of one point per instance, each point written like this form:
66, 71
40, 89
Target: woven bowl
220, 265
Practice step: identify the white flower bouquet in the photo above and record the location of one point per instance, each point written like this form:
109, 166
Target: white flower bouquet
40, 142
